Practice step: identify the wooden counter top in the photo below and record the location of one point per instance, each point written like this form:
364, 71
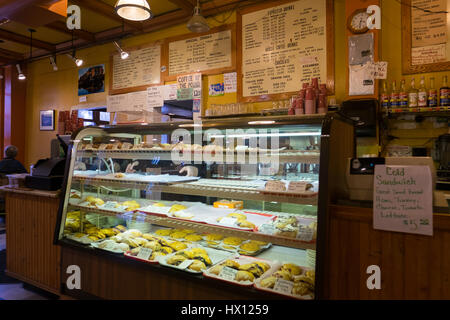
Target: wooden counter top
33, 192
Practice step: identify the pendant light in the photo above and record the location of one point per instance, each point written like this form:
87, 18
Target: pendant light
198, 23
134, 10
123, 54
53, 63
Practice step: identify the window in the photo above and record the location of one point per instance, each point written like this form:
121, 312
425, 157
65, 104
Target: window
94, 117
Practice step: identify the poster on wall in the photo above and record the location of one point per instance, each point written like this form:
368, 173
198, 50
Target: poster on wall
91, 80
189, 87
284, 46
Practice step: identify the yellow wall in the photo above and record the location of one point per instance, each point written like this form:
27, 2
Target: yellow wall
58, 90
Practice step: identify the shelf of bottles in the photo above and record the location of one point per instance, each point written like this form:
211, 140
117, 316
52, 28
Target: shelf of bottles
421, 100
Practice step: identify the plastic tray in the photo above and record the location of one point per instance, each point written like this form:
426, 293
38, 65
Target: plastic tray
277, 267
241, 260
216, 257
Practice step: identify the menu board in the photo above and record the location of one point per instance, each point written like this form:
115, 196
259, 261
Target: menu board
425, 36
140, 70
403, 199
207, 52
284, 46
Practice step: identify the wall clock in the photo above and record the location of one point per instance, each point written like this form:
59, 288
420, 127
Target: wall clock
357, 21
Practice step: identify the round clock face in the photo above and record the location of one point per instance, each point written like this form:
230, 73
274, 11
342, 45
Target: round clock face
358, 21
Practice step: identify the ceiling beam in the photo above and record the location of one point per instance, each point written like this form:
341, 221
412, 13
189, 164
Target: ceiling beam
185, 5
11, 54
106, 10
80, 34
18, 38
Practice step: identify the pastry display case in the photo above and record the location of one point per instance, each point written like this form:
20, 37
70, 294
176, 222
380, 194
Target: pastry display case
242, 201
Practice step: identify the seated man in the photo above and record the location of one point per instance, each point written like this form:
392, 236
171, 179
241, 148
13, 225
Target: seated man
9, 165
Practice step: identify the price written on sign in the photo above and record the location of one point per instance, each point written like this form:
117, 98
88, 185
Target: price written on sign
228, 273
283, 286
144, 253
403, 199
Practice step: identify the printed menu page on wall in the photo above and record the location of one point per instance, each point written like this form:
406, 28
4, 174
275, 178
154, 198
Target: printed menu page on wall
142, 68
208, 52
403, 199
429, 32
284, 46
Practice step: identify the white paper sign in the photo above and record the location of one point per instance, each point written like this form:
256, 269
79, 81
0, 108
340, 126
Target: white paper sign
228, 273
283, 286
185, 264
403, 199
117, 103
380, 70
170, 92
230, 82
228, 221
137, 101
155, 97
144, 253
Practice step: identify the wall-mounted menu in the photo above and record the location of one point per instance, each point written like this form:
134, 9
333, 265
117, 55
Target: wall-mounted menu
208, 52
283, 46
142, 68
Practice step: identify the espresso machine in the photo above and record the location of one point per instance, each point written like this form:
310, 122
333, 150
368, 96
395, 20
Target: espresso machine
443, 157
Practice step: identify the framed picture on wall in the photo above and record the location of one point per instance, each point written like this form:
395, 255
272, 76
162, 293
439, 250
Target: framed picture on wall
91, 80
47, 120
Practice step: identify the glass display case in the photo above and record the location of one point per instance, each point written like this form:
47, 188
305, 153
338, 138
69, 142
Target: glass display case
242, 201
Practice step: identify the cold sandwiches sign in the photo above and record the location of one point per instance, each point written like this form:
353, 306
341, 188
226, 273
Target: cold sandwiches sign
403, 199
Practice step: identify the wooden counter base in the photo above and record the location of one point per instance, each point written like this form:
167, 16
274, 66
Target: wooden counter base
31, 256
107, 276
412, 266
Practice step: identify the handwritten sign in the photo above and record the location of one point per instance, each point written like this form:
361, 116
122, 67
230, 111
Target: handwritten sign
185, 264
155, 97
144, 253
189, 86
284, 46
283, 286
228, 273
208, 52
428, 29
403, 199
230, 82
143, 67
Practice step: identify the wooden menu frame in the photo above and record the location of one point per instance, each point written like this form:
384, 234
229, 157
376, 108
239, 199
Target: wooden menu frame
138, 88
407, 66
285, 95
232, 68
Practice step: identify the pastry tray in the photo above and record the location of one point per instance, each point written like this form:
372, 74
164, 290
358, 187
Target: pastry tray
241, 260
277, 267
215, 255
130, 256
96, 246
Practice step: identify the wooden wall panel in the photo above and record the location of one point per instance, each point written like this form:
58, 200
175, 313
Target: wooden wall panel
31, 255
412, 266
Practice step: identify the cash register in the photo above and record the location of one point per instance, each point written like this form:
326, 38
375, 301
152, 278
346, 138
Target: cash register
48, 174
360, 173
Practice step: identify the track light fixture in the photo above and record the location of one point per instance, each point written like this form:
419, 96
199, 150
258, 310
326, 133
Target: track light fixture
78, 62
134, 10
198, 23
21, 76
53, 63
123, 54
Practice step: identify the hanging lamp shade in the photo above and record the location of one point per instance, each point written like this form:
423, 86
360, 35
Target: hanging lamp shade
198, 23
134, 10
